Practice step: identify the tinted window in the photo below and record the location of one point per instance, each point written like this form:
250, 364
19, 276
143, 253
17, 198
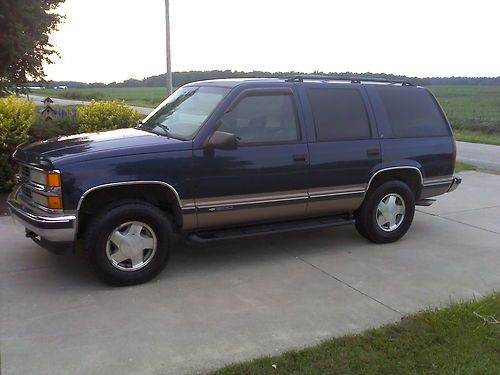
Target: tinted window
262, 119
412, 112
339, 114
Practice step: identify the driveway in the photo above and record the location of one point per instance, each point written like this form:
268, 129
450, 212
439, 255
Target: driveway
230, 301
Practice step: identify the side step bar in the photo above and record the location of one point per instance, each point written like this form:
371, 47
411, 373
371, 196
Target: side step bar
266, 229
425, 202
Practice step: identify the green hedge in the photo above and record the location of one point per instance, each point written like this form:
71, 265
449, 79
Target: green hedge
19, 122
17, 116
106, 115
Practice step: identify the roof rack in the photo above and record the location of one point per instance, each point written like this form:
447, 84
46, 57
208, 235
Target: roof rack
302, 77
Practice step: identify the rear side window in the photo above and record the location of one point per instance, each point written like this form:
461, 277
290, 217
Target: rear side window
412, 112
339, 114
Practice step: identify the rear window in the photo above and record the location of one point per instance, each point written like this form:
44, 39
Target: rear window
412, 112
339, 114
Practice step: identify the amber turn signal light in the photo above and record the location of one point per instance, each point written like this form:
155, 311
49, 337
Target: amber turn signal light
54, 180
55, 203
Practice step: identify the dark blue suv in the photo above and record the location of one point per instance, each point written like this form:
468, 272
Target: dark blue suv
232, 158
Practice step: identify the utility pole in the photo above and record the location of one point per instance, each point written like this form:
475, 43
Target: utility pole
167, 34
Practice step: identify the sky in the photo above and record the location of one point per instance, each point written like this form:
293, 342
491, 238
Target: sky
113, 40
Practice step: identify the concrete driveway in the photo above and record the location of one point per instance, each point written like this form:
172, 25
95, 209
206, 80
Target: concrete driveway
235, 300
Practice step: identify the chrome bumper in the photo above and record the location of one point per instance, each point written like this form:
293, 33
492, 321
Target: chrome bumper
53, 227
454, 183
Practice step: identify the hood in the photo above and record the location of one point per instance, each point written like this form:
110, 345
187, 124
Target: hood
95, 145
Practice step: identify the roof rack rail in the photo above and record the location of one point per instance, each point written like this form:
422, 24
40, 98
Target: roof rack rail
302, 77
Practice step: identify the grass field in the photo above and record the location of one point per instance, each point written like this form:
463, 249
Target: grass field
474, 111
461, 339
140, 96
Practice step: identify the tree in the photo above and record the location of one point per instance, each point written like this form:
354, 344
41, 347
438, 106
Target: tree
25, 26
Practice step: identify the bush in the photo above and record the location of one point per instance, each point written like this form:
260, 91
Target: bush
106, 115
42, 129
17, 116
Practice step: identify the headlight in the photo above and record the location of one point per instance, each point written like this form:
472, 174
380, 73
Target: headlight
50, 179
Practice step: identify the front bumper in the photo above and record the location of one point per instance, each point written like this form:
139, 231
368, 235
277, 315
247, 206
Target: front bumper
51, 227
454, 183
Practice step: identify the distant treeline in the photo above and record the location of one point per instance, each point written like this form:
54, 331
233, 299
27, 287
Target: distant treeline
181, 78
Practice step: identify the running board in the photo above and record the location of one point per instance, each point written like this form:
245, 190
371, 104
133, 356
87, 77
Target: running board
266, 229
425, 202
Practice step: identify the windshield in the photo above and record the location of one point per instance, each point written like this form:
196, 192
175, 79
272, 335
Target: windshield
183, 112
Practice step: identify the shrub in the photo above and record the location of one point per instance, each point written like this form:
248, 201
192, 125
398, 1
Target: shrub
106, 115
6, 173
43, 129
16, 118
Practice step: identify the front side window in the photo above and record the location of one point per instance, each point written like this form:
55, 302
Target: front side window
339, 114
183, 112
262, 119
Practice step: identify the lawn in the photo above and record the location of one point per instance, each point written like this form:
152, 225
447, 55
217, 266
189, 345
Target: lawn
474, 111
460, 339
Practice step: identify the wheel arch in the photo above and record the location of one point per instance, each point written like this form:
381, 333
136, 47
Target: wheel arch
411, 175
157, 193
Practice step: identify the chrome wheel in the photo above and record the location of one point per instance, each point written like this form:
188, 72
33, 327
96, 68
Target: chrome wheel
131, 246
390, 212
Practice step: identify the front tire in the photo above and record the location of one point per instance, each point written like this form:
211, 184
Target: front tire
386, 213
129, 244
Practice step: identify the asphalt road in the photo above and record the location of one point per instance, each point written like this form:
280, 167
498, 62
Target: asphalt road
484, 156
234, 300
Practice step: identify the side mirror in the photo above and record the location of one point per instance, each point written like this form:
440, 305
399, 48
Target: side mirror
222, 141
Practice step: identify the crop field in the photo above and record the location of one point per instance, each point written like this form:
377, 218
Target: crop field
474, 111
140, 96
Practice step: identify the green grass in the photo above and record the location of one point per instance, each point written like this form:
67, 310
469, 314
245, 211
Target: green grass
452, 340
460, 166
140, 96
477, 137
471, 107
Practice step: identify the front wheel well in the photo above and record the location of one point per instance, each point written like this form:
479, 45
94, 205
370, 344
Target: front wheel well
157, 195
409, 176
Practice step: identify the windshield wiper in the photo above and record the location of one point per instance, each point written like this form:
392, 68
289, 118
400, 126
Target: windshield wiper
163, 127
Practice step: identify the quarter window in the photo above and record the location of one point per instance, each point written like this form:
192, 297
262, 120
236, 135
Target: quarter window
263, 119
412, 112
339, 114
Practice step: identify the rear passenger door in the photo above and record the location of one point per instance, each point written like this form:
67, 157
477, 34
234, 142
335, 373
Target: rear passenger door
343, 146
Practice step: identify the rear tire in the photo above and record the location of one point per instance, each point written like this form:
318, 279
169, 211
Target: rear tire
386, 213
129, 243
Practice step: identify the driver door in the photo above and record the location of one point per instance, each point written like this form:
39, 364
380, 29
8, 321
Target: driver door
265, 177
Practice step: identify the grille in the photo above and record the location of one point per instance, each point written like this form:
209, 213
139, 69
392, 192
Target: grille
26, 191
24, 172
